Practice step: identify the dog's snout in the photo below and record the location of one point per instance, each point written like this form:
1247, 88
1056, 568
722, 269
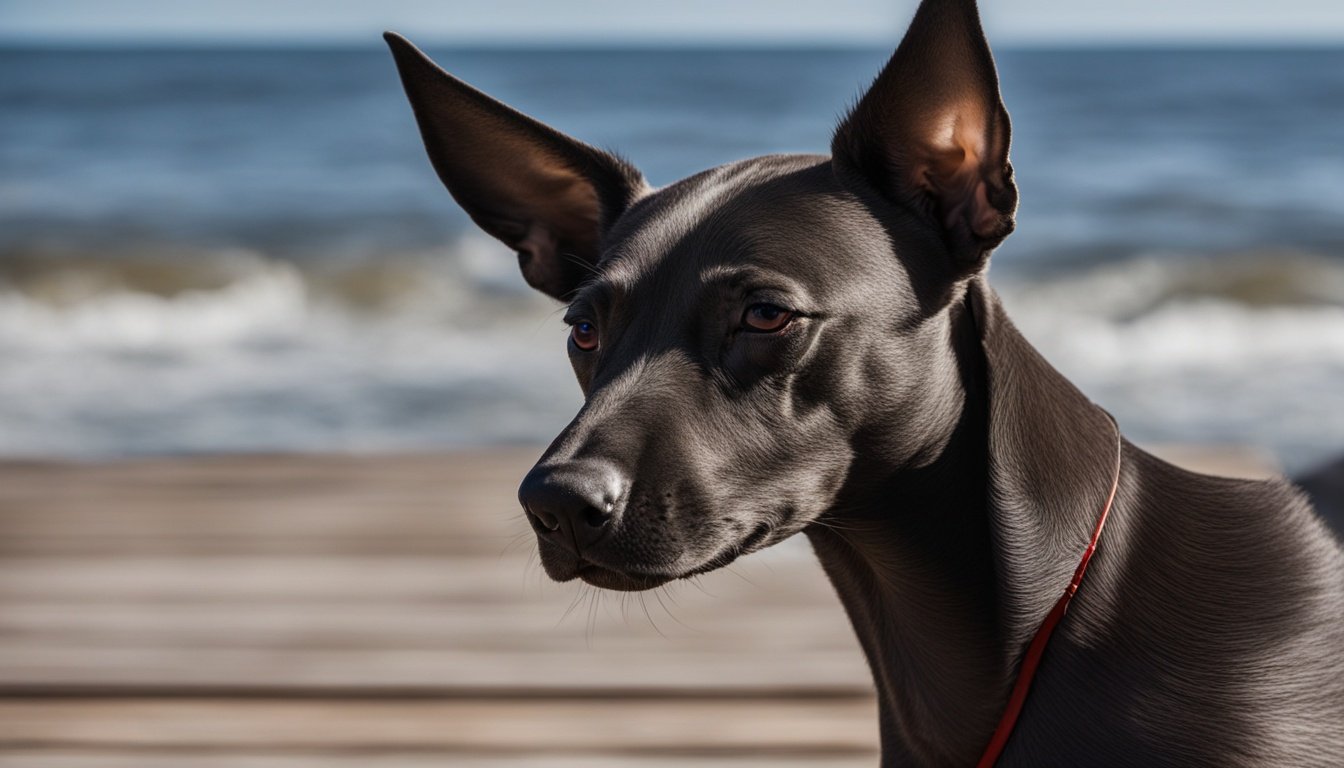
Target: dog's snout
574, 504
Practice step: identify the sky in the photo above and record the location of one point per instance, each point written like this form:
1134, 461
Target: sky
666, 21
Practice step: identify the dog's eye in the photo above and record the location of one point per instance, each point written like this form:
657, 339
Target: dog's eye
584, 335
765, 318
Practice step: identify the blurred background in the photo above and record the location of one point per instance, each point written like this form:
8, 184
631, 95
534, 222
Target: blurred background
265, 392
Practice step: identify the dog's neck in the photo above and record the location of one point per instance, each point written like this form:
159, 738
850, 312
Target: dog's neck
947, 569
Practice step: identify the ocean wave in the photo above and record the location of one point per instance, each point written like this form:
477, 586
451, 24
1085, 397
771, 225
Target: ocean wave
212, 297
1246, 348
249, 353
1174, 312
231, 350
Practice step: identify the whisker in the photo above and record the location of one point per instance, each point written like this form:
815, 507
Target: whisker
734, 571
596, 595
578, 596
695, 582
514, 543
643, 604
658, 595
530, 569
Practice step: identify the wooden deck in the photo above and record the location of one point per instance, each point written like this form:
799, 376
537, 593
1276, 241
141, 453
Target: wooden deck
296, 612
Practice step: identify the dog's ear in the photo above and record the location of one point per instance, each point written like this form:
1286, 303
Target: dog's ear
547, 196
932, 134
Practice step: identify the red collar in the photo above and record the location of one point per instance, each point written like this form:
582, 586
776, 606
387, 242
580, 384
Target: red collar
1034, 651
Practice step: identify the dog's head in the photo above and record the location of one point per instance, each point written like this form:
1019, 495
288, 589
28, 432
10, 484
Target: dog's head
741, 335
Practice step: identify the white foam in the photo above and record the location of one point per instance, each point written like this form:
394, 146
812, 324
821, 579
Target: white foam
269, 300
1177, 366
272, 360
457, 351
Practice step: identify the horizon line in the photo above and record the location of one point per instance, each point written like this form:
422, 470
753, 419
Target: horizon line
374, 42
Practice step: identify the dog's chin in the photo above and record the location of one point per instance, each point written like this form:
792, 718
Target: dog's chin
606, 578
564, 566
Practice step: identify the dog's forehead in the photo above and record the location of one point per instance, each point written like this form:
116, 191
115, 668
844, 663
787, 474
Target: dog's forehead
785, 214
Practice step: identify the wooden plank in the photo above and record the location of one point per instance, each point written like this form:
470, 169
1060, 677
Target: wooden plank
135, 758
29, 667
785, 574
704, 727
461, 502
452, 624
367, 626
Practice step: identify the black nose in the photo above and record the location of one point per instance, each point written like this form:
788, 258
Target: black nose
574, 504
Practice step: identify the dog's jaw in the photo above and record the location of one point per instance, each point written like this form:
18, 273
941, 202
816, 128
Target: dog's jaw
562, 566
605, 578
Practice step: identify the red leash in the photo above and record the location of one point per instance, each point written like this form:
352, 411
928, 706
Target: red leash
1034, 651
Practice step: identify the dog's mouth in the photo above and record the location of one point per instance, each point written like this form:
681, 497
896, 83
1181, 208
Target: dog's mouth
562, 565
567, 567
606, 578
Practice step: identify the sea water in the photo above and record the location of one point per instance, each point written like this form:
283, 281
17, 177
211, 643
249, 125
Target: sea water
229, 250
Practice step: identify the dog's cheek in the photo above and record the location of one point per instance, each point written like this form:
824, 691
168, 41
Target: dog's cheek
787, 476
751, 357
851, 377
582, 365
813, 487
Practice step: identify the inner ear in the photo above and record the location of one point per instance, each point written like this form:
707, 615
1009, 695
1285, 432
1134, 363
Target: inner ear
965, 164
542, 193
932, 134
549, 214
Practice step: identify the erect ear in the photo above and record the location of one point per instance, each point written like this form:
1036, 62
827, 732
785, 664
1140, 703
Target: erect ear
932, 133
547, 196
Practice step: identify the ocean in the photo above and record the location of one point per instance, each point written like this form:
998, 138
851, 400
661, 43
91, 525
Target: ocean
221, 250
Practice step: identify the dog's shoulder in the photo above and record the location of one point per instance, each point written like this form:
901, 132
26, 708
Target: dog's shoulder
1227, 598
1254, 544
1249, 514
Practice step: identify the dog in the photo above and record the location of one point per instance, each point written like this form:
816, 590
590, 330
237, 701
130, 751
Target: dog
808, 344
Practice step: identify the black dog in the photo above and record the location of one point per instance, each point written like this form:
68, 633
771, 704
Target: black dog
808, 344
